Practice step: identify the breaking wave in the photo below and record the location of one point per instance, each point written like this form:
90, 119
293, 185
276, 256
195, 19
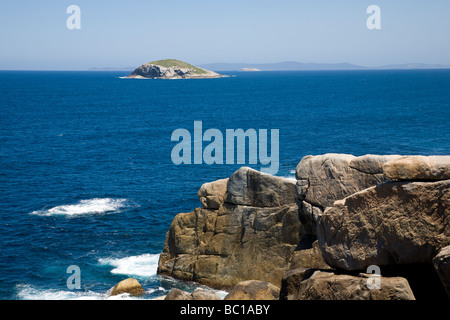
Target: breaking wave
144, 265
86, 207
28, 292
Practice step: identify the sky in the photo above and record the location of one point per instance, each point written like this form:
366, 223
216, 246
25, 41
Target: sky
34, 35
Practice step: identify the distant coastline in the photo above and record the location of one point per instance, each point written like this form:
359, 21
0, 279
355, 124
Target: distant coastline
301, 66
295, 66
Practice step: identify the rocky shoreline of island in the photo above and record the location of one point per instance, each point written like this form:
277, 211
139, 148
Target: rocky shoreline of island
171, 69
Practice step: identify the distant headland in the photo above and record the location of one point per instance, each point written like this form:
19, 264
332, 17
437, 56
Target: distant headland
171, 69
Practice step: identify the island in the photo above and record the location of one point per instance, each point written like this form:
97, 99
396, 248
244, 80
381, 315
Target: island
171, 69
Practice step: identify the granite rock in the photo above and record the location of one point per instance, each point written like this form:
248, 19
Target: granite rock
391, 223
418, 168
130, 286
310, 284
254, 290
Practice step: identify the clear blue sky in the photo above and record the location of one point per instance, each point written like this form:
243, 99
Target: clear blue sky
33, 34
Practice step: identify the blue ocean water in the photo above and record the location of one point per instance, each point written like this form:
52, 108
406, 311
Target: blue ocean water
86, 176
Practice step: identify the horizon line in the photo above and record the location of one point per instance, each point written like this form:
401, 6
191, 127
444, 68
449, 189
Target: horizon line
351, 66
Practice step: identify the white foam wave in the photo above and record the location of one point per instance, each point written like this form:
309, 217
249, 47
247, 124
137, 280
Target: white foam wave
144, 265
187, 286
83, 207
28, 292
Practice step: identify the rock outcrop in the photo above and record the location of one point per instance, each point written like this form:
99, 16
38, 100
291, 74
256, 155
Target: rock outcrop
254, 290
130, 286
391, 223
310, 284
323, 179
342, 212
251, 235
171, 69
211, 194
248, 187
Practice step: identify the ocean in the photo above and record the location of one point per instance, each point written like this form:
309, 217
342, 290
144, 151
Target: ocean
87, 178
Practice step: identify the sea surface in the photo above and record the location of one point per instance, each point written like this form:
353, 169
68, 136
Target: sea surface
87, 179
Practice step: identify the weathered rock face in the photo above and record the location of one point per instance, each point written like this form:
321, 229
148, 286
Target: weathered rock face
418, 168
252, 234
211, 194
249, 187
155, 71
323, 179
254, 290
442, 265
309, 284
391, 223
130, 285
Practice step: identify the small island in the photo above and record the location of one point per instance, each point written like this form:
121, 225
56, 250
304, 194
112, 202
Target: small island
171, 69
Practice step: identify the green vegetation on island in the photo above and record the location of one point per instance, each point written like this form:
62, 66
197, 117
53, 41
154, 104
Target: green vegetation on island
174, 63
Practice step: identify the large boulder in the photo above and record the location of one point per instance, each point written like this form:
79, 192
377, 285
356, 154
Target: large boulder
252, 235
211, 194
254, 290
198, 294
130, 286
177, 294
391, 223
205, 294
442, 265
308, 284
249, 187
323, 179
418, 168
